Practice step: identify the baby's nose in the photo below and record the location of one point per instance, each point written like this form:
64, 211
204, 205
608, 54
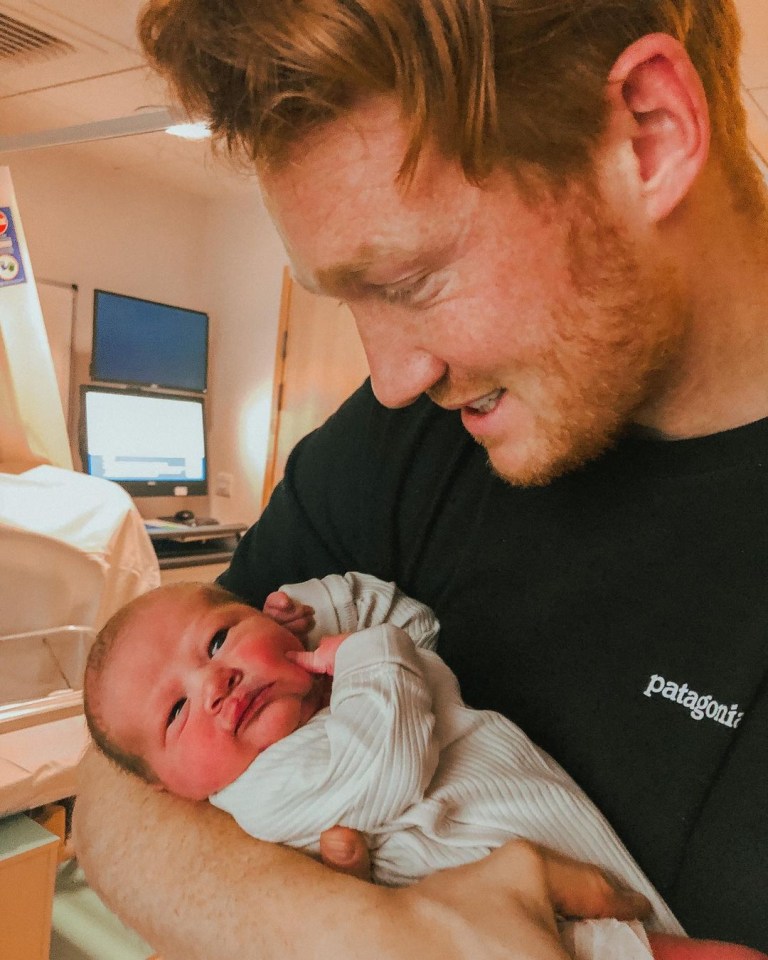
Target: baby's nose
219, 683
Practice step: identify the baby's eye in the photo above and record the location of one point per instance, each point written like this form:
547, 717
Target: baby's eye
217, 642
176, 710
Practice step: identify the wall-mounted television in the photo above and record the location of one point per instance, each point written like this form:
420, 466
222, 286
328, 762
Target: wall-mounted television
148, 344
152, 444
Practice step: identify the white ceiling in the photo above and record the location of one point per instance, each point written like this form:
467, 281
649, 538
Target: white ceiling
98, 74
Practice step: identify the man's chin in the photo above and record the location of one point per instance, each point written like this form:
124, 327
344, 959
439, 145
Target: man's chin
539, 461
526, 474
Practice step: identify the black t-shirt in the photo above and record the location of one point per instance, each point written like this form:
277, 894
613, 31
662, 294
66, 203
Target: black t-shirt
619, 615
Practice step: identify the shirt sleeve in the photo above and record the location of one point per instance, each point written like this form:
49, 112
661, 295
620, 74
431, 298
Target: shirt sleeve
358, 764
356, 601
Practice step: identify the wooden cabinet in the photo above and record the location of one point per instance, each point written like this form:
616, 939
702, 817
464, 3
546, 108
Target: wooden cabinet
28, 857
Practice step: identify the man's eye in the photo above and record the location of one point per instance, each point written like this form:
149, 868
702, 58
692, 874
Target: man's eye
176, 710
217, 642
419, 290
401, 292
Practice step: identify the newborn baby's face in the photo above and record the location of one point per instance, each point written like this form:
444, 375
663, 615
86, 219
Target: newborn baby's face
199, 690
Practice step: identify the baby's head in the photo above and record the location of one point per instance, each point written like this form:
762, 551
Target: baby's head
186, 685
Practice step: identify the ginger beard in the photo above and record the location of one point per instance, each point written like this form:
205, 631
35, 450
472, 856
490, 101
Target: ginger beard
613, 337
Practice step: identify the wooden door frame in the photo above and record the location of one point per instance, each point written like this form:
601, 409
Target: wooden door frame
277, 386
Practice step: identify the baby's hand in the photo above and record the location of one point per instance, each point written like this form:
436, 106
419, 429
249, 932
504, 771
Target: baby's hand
321, 660
296, 617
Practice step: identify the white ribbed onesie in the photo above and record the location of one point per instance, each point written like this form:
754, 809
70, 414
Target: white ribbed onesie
398, 755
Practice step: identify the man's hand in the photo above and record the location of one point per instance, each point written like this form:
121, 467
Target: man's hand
532, 884
505, 905
296, 617
580, 890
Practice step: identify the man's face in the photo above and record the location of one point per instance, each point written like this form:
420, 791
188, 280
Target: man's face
545, 324
200, 690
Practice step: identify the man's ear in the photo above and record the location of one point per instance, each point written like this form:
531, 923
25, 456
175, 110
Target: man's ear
655, 81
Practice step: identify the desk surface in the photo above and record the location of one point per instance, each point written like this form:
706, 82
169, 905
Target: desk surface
182, 546
184, 533
202, 559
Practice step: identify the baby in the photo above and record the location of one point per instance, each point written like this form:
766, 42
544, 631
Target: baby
356, 722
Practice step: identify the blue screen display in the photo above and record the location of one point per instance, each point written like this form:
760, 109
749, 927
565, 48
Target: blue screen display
142, 342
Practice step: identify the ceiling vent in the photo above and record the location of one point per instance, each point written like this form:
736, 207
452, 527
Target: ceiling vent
21, 42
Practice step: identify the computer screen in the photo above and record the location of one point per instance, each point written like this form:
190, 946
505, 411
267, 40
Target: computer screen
152, 444
150, 344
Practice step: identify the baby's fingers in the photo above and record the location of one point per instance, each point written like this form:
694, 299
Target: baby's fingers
310, 660
278, 602
288, 613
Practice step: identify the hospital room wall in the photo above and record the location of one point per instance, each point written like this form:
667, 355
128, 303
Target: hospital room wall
102, 228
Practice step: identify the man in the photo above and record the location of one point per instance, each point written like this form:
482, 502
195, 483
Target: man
545, 217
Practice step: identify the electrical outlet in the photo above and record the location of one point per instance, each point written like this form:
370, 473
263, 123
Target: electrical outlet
222, 485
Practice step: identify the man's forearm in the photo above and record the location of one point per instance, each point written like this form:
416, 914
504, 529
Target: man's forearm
189, 881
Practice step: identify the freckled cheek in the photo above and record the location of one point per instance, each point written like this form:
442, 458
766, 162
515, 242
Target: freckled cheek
518, 284
485, 332
516, 317
498, 294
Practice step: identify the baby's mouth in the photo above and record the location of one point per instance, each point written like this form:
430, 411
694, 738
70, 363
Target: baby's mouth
250, 706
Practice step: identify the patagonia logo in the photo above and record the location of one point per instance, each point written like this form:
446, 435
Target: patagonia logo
699, 705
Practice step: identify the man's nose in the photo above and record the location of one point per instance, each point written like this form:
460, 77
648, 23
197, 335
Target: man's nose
218, 683
400, 370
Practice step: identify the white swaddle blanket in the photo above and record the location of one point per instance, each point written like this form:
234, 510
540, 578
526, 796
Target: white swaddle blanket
605, 940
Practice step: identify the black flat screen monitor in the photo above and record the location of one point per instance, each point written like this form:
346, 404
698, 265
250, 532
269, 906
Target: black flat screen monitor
149, 344
152, 444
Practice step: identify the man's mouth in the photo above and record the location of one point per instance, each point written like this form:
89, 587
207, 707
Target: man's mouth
485, 403
250, 706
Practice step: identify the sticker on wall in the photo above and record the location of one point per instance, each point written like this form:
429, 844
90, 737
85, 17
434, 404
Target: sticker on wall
11, 264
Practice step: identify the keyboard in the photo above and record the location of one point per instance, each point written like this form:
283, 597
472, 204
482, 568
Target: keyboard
172, 526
